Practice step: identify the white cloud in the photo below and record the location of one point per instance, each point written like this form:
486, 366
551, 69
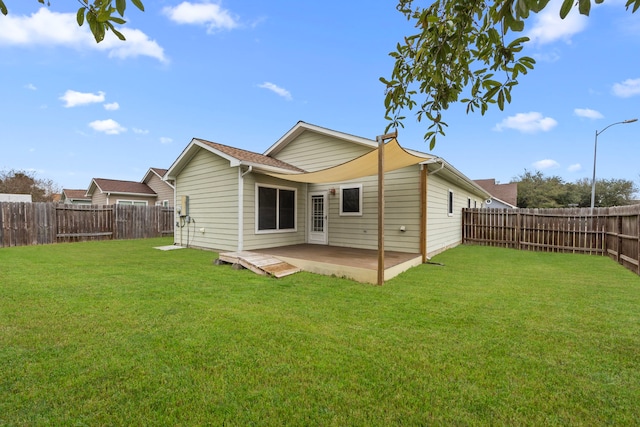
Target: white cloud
111, 106
545, 164
74, 98
575, 168
277, 90
165, 140
46, 28
140, 131
109, 126
137, 44
31, 86
587, 113
527, 122
548, 27
627, 88
211, 15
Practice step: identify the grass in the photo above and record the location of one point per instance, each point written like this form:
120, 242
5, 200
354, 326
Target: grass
117, 333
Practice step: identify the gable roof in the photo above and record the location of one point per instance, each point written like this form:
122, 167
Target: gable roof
120, 187
75, 194
506, 193
301, 127
160, 173
235, 156
154, 171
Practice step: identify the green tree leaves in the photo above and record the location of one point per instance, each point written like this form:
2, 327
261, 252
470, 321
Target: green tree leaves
101, 15
538, 191
462, 51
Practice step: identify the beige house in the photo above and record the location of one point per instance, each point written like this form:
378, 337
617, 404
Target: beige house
316, 186
74, 197
163, 189
152, 190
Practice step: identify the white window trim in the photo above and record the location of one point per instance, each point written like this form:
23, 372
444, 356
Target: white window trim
257, 209
132, 202
450, 202
360, 205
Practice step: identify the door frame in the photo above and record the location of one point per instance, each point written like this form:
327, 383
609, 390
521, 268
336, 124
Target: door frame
318, 238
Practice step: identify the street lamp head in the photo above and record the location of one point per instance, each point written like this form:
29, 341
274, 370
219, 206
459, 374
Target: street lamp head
630, 121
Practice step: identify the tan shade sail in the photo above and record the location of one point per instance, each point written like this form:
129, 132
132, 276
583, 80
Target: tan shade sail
395, 157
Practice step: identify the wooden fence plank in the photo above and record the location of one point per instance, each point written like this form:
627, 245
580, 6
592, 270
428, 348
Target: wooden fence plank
23, 224
608, 231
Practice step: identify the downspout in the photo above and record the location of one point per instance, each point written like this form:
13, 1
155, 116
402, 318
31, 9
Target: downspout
424, 177
432, 161
241, 205
176, 220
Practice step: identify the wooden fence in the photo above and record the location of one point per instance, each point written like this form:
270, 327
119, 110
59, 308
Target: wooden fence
614, 232
23, 224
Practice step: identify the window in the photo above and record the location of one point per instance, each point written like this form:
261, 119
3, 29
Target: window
468, 202
132, 202
351, 200
276, 209
450, 204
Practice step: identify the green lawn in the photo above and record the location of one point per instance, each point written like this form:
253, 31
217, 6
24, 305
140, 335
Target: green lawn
117, 333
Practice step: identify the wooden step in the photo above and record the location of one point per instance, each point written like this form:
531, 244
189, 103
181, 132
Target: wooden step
262, 264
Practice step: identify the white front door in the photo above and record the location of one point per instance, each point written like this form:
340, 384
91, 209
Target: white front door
318, 217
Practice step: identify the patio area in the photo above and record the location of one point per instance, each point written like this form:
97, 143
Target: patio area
356, 264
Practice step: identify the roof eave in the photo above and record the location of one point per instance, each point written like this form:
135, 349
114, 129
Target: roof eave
190, 151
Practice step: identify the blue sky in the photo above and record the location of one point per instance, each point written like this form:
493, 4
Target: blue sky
242, 73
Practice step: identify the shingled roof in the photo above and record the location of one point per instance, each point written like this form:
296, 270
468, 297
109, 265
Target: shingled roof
159, 171
505, 192
250, 156
123, 187
75, 194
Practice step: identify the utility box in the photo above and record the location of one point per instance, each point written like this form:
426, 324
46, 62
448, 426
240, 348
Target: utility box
184, 205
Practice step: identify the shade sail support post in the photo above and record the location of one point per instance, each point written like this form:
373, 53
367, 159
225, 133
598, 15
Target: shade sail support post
380, 139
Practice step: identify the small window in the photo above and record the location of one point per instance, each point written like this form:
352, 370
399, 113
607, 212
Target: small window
351, 200
475, 203
276, 209
450, 204
132, 202
469, 202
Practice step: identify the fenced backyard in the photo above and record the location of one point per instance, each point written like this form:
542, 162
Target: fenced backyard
25, 224
613, 232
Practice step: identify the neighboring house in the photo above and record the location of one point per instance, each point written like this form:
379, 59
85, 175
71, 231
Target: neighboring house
116, 192
152, 190
75, 197
502, 195
8, 197
164, 189
317, 186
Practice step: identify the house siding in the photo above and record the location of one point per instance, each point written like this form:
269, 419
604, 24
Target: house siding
162, 189
98, 198
312, 151
212, 187
443, 230
402, 208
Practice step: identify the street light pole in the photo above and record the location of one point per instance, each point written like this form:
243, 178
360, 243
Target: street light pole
595, 151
